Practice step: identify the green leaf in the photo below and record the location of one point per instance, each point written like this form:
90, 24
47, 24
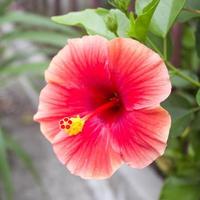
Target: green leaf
154, 42
180, 188
44, 37
164, 15
197, 34
139, 26
196, 124
92, 20
181, 83
188, 40
181, 123
21, 153
195, 141
5, 172
187, 15
198, 97
181, 112
177, 105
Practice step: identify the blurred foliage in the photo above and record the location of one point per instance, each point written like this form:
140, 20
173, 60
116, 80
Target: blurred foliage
7, 146
152, 22
48, 37
5, 171
32, 28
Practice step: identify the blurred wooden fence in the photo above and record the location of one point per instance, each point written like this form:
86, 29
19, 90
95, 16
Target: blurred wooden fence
56, 7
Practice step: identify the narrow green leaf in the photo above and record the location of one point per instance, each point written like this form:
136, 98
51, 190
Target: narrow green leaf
5, 171
23, 156
44, 37
139, 27
164, 15
11, 59
198, 97
23, 68
92, 20
31, 19
17, 57
180, 188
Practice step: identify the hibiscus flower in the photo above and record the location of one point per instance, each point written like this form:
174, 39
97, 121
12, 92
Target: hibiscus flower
101, 105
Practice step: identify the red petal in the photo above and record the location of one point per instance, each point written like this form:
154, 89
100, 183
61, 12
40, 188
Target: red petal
57, 102
141, 135
139, 73
79, 62
88, 154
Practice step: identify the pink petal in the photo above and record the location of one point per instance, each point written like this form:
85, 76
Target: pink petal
139, 73
88, 154
57, 102
50, 128
141, 135
79, 62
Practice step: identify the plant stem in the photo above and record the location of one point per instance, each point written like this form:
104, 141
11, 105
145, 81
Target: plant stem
165, 48
195, 109
182, 75
192, 10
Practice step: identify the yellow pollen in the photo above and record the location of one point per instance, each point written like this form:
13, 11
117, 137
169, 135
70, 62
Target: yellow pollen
73, 125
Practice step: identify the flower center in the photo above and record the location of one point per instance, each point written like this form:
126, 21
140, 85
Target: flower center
74, 125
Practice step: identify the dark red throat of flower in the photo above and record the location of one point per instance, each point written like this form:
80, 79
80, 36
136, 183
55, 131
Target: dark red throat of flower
111, 105
74, 125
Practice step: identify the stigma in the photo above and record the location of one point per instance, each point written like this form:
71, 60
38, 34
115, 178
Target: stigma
73, 125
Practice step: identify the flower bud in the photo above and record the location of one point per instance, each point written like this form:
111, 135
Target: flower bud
120, 4
111, 22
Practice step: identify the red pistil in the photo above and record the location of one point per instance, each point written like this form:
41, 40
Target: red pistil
113, 102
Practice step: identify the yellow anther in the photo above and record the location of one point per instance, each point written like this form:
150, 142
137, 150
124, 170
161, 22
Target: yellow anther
73, 125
